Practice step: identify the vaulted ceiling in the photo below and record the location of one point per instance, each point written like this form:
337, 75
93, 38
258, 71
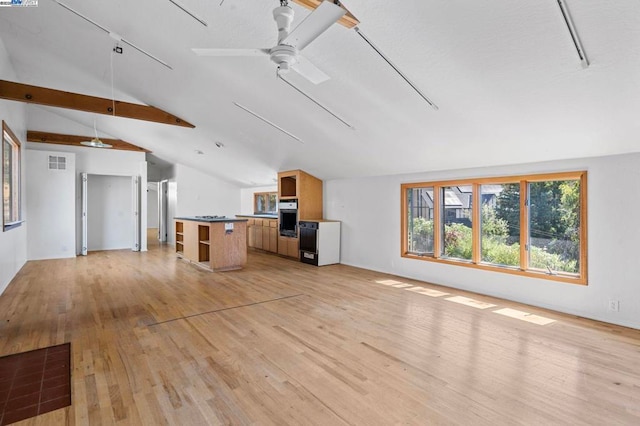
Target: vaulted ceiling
505, 75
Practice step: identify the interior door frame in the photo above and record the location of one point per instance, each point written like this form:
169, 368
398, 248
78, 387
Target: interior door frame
136, 204
135, 201
84, 178
163, 206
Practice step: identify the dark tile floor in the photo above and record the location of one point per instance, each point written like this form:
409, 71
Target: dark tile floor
34, 382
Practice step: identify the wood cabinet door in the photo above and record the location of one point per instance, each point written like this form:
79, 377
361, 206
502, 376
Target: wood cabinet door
251, 236
273, 240
282, 245
292, 247
258, 242
266, 242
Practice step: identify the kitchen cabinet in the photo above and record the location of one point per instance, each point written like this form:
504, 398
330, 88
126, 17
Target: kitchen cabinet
262, 234
301, 186
288, 246
307, 191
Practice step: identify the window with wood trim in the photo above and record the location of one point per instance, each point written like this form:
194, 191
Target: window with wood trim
265, 202
533, 225
11, 191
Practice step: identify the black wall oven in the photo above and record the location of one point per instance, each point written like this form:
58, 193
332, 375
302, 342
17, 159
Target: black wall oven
288, 212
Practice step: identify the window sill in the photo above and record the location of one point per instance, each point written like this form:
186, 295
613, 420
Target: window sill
8, 226
559, 277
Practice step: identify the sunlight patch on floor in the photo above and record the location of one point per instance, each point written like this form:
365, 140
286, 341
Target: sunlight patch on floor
470, 302
389, 282
524, 316
427, 291
401, 285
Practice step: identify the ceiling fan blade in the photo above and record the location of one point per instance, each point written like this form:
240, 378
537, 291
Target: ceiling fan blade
309, 71
313, 25
230, 52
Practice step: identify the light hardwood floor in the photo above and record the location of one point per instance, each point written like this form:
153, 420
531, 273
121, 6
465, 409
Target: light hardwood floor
157, 341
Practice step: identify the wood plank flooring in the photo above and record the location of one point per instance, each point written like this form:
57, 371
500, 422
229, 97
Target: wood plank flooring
156, 341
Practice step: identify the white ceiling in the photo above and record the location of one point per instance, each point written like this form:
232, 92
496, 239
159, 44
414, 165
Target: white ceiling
505, 75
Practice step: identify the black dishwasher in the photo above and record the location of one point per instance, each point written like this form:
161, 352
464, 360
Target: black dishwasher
308, 242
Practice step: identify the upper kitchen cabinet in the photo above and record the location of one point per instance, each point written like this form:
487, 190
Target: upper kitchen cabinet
301, 186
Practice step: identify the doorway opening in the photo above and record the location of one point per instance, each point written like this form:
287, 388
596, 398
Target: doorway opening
110, 213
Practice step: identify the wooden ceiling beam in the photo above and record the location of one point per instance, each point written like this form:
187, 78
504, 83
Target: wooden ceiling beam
348, 20
57, 98
74, 140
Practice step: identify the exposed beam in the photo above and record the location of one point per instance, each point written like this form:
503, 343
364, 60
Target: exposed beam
348, 20
57, 98
74, 140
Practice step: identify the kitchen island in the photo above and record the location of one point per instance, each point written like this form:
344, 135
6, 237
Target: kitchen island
214, 243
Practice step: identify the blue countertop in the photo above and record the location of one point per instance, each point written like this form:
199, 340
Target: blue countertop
210, 219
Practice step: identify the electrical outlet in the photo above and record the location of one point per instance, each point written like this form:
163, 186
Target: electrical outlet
614, 305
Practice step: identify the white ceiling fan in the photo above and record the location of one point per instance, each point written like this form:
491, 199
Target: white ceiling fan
286, 53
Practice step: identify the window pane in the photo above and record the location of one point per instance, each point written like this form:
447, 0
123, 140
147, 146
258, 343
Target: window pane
456, 222
500, 224
261, 206
554, 226
10, 178
273, 202
6, 181
420, 220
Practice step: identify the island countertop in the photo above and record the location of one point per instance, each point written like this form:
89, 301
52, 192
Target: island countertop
209, 219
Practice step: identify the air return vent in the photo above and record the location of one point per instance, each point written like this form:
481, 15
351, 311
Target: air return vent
57, 163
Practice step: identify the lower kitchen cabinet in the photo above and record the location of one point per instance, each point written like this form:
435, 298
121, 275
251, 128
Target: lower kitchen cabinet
263, 234
288, 246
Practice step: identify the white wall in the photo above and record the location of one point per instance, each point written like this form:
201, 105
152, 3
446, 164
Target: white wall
51, 196
13, 243
246, 197
106, 162
152, 204
200, 194
369, 209
172, 203
109, 212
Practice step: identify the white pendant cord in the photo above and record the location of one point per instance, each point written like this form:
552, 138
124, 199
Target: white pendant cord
95, 129
113, 98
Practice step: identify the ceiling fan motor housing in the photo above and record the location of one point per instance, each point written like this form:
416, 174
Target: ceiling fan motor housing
284, 56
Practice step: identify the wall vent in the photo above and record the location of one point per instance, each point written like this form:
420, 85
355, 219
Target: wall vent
57, 163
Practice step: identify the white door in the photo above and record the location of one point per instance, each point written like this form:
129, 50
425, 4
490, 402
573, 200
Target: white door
83, 249
135, 191
162, 210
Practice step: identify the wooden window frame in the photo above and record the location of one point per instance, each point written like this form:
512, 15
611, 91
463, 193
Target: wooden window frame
16, 173
266, 195
476, 262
